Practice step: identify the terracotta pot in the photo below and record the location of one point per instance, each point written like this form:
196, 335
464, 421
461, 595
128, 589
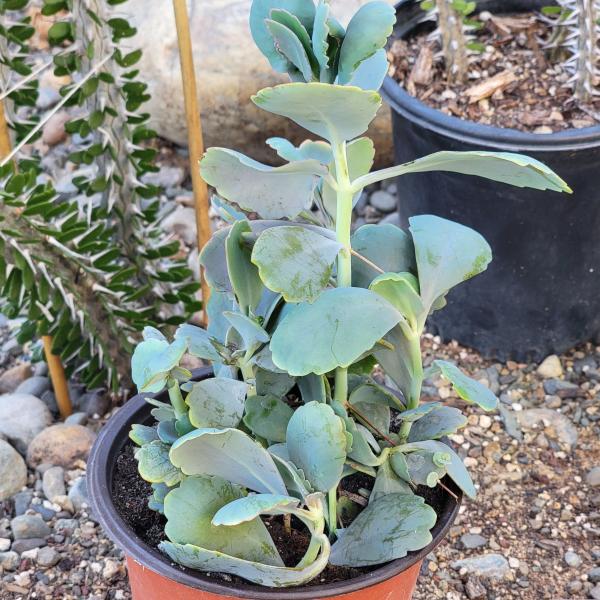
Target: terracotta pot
153, 577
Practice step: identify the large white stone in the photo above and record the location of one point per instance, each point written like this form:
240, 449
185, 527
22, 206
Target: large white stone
229, 70
13, 472
22, 417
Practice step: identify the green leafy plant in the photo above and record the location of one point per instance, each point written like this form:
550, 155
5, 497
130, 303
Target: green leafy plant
576, 37
300, 312
453, 34
91, 271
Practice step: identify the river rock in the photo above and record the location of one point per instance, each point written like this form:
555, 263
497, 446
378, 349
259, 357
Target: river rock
470, 541
9, 560
564, 429
182, 223
53, 483
13, 472
593, 477
383, 201
25, 527
492, 566
229, 70
78, 494
550, 367
61, 445
22, 417
35, 386
47, 557
13, 377
53, 131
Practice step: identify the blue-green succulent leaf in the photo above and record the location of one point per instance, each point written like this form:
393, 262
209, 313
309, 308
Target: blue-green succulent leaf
216, 402
197, 340
295, 261
152, 360
414, 414
252, 506
142, 434
387, 482
385, 530
316, 442
190, 509
154, 464
290, 46
371, 73
267, 417
334, 331
309, 149
442, 421
228, 453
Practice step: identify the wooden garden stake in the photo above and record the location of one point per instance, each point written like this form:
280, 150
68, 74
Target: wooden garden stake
195, 140
55, 367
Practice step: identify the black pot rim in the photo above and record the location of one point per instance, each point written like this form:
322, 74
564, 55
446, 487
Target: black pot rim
470, 132
101, 464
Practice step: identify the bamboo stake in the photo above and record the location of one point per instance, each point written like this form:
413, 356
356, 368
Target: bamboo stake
195, 139
55, 367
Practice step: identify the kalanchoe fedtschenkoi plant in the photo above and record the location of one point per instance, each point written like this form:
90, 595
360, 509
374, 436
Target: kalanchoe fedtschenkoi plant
576, 31
453, 34
301, 306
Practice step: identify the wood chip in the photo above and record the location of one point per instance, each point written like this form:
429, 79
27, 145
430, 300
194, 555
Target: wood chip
421, 73
507, 25
489, 86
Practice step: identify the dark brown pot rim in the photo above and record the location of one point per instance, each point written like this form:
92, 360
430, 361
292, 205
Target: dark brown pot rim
410, 16
102, 460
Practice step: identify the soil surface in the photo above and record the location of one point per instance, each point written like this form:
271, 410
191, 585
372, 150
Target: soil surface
131, 495
513, 83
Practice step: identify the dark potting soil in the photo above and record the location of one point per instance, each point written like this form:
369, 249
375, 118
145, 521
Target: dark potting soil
514, 83
131, 493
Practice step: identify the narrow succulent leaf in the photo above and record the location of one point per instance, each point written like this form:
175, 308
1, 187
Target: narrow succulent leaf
228, 453
387, 529
167, 432
309, 149
293, 477
267, 417
319, 40
190, 509
386, 246
440, 422
468, 389
213, 259
387, 482
293, 23
290, 46
151, 333
447, 254
366, 33
456, 469
374, 403
252, 333
252, 506
316, 442
216, 402
414, 414
272, 192
201, 559
261, 10
402, 291
243, 274
295, 261
333, 112
420, 467
312, 388
514, 169
332, 332
198, 341
154, 464
371, 73
361, 450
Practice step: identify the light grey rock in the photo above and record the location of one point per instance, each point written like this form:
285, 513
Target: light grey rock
20, 546
29, 526
53, 483
22, 501
220, 29
11, 347
594, 593
574, 587
40, 369
47, 557
593, 477
78, 418
564, 389
35, 386
66, 526
470, 541
594, 575
475, 589
383, 201
4, 544
22, 417
572, 559
78, 494
166, 177
13, 377
9, 561
565, 431
182, 223
391, 219
13, 471
492, 566
94, 402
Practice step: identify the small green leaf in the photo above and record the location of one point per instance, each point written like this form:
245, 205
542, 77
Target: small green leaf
154, 464
290, 44
151, 362
387, 529
316, 442
267, 417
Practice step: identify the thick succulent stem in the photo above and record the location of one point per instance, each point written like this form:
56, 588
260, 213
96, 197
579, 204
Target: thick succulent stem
453, 41
416, 385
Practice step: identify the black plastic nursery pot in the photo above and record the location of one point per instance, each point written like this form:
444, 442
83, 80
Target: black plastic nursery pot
153, 577
541, 293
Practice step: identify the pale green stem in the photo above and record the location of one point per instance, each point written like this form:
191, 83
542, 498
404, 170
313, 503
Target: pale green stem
416, 384
332, 508
248, 375
176, 398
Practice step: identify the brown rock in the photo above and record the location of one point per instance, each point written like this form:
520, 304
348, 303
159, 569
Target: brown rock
10, 380
54, 130
61, 445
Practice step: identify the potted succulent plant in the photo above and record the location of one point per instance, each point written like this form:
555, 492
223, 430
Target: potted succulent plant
289, 445
543, 105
